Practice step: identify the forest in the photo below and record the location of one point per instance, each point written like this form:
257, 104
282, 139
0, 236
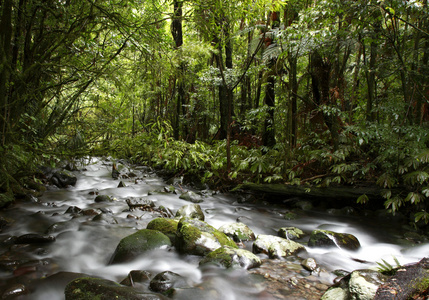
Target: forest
312, 93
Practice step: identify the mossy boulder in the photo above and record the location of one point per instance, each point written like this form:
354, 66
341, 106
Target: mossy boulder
276, 247
199, 238
229, 257
166, 226
326, 238
89, 288
239, 232
191, 211
290, 233
137, 243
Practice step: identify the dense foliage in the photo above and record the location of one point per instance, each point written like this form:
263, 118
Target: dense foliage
298, 92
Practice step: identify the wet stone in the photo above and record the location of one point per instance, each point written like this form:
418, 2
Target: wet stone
309, 264
136, 276
190, 211
102, 198
326, 238
192, 197
165, 282
14, 291
33, 238
290, 233
239, 232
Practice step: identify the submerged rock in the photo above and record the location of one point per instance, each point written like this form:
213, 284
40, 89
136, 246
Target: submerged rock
232, 258
199, 238
192, 197
165, 282
276, 247
102, 198
239, 232
137, 243
33, 238
136, 277
326, 238
190, 211
96, 288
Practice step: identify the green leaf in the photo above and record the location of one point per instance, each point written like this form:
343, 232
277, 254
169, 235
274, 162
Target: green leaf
363, 199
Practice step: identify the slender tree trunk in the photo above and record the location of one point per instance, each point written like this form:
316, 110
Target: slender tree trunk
176, 30
293, 91
269, 137
5, 43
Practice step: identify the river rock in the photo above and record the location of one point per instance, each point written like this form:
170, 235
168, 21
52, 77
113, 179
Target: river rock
232, 258
166, 226
310, 264
97, 288
14, 291
169, 189
136, 277
199, 238
290, 233
165, 282
326, 238
139, 242
190, 211
33, 238
276, 247
140, 203
239, 232
63, 179
102, 198
192, 197
359, 284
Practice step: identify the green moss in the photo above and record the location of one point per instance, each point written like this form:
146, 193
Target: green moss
224, 239
139, 242
166, 226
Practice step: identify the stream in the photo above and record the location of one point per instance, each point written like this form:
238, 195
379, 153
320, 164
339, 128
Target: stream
84, 245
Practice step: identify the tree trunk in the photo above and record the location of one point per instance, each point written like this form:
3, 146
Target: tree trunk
176, 30
5, 43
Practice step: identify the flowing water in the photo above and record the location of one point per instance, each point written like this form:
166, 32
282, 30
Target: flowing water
83, 245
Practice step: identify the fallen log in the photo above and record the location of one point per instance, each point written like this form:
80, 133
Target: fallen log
347, 195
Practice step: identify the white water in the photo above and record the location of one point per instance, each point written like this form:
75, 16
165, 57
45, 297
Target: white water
85, 246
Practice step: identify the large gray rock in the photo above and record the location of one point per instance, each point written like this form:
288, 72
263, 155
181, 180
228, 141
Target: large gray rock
326, 238
232, 258
276, 247
137, 243
199, 238
190, 211
96, 288
239, 232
